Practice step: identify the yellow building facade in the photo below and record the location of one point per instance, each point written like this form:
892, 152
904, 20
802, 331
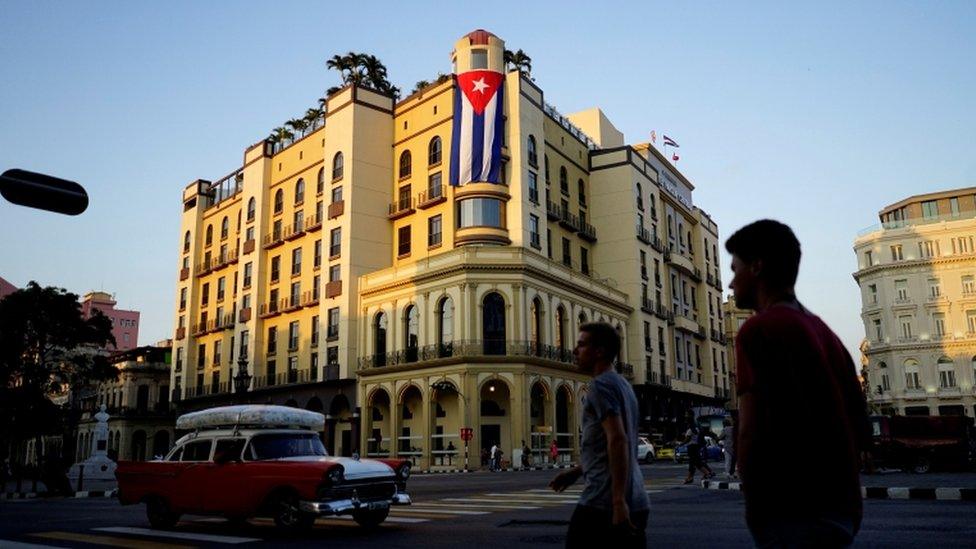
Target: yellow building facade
357, 281
917, 276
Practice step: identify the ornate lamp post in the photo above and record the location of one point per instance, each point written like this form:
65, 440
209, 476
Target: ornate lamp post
242, 380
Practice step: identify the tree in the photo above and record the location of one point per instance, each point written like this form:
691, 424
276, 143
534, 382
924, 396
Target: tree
280, 135
312, 116
298, 124
46, 348
519, 60
421, 84
362, 70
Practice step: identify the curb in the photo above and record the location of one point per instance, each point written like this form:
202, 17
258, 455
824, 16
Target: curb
77, 495
509, 469
880, 492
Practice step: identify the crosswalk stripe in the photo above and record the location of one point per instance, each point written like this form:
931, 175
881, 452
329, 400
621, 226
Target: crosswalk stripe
496, 500
107, 540
402, 520
10, 544
499, 506
549, 491
175, 535
553, 497
416, 509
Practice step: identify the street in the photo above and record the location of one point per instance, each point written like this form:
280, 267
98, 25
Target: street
454, 510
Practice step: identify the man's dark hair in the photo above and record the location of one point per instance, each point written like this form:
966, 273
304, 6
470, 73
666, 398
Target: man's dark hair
772, 242
604, 336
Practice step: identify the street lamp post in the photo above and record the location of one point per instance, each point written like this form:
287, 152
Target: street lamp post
242, 380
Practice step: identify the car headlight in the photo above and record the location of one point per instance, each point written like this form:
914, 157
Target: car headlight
403, 473
335, 476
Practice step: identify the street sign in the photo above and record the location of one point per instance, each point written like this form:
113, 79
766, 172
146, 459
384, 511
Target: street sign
467, 433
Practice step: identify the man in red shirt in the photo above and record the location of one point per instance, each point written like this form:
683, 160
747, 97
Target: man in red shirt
802, 415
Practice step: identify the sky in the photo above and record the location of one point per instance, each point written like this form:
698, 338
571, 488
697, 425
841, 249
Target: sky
817, 115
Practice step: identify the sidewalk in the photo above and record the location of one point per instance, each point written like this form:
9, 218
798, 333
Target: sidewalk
896, 485
477, 469
91, 489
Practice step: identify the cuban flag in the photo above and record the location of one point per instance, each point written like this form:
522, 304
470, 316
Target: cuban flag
476, 146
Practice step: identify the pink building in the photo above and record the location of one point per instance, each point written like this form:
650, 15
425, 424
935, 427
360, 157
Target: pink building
125, 324
6, 288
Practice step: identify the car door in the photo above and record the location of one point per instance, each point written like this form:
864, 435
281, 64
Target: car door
227, 482
191, 483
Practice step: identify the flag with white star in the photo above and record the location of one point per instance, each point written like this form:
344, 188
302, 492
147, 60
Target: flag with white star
476, 146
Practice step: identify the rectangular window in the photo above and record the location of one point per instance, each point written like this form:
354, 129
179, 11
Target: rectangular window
896, 253
272, 340
335, 242
901, 290
873, 294
878, 332
316, 282
643, 264
332, 356
221, 288
296, 261
296, 293
954, 206
317, 254
275, 268
248, 273
567, 253
947, 377
315, 331
434, 231
201, 355
337, 194
906, 326
938, 322
272, 372
930, 209
928, 248
335, 273
293, 336
584, 261
534, 237
582, 193
935, 288
647, 336
533, 187
403, 241
249, 233
868, 259
205, 294
332, 327
182, 298
245, 339
549, 243
971, 322
434, 188
218, 347
479, 59
968, 285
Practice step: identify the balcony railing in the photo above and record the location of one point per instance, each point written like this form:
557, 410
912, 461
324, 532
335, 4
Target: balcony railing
273, 239
245, 314
180, 333
663, 313
292, 232
587, 231
475, 348
624, 369
310, 299
184, 273
313, 223
336, 209
272, 308
552, 210
569, 220
401, 208
285, 378
718, 336
333, 288
643, 235
647, 305
248, 246
657, 244
431, 197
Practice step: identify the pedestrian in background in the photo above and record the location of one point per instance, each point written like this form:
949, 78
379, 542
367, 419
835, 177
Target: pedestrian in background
793, 370
613, 507
525, 455
696, 442
554, 452
728, 447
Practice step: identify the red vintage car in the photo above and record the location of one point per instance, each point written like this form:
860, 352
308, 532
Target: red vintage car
247, 461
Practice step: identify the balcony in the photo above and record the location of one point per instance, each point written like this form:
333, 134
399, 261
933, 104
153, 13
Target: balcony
655, 378
718, 336
722, 393
289, 377
203, 268
292, 232
272, 240
184, 273
313, 223
336, 209
568, 220
310, 299
333, 289
657, 244
643, 235
226, 322
223, 260
480, 350
552, 210
647, 305
587, 232
272, 308
401, 208
180, 333
245, 314
291, 303
663, 313
431, 197
248, 246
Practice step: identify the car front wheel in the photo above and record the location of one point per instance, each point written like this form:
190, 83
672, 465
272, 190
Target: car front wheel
922, 465
371, 519
159, 514
287, 514
649, 458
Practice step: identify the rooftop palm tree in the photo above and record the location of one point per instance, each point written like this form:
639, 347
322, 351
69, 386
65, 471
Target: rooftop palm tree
312, 118
519, 60
281, 134
421, 84
298, 124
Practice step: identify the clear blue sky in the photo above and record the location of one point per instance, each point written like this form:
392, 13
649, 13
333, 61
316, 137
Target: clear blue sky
817, 116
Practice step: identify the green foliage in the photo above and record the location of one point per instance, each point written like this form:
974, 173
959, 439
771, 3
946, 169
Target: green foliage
519, 60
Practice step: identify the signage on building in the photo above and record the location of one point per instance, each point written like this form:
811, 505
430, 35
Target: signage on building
467, 433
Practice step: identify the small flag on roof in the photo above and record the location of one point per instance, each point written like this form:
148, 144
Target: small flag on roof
653, 137
670, 142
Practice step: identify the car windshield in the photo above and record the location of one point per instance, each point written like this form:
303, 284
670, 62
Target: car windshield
285, 445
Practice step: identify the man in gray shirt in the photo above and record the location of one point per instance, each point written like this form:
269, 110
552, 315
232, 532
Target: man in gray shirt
613, 506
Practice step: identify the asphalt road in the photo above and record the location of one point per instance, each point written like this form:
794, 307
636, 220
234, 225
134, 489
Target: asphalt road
502, 509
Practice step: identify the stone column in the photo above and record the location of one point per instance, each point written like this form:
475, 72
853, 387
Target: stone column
517, 322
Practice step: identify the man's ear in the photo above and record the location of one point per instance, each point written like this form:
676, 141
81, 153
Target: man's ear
756, 267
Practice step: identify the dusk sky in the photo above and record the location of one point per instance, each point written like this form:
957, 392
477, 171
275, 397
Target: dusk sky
818, 116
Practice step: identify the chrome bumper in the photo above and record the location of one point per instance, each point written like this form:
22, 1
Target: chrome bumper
346, 506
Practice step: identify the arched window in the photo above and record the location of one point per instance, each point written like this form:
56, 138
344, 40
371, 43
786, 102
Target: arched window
320, 181
532, 152
224, 228
279, 201
563, 180
560, 328
251, 207
238, 221
912, 380
405, 162
186, 242
300, 191
379, 338
947, 373
209, 235
411, 332
445, 327
493, 324
434, 151
535, 328
337, 166
640, 197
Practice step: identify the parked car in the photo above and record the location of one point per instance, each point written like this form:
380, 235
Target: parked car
645, 450
919, 443
245, 461
665, 452
713, 452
